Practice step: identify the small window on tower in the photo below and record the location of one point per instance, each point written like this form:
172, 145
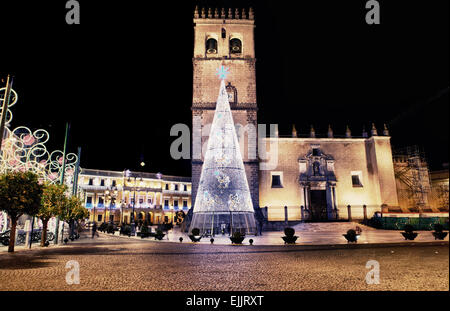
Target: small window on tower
276, 181
235, 46
315, 152
224, 33
357, 179
211, 46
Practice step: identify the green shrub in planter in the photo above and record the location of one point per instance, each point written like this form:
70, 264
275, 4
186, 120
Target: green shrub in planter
351, 236
439, 233
144, 231
237, 238
195, 235
125, 230
290, 238
159, 235
110, 228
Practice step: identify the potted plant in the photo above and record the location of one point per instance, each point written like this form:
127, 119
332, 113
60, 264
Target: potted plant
351, 236
237, 238
159, 235
439, 233
195, 235
409, 233
289, 237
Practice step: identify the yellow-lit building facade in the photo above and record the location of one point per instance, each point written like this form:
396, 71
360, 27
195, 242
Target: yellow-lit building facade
113, 195
318, 178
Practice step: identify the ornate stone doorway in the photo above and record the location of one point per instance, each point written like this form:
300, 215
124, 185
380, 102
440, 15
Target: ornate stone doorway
318, 182
318, 205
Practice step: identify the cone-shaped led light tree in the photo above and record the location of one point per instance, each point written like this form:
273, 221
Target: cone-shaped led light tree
223, 202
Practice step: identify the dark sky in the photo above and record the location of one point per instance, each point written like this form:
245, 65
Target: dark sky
124, 76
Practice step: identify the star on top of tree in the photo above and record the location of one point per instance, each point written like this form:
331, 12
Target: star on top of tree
222, 72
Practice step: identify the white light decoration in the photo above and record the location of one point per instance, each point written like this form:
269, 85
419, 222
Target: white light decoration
223, 197
25, 150
12, 101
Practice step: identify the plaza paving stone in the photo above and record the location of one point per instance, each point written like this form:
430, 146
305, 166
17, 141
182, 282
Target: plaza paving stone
116, 263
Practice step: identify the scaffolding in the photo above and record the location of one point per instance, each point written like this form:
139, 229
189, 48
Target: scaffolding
413, 179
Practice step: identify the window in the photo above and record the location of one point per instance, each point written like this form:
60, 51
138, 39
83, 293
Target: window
102, 182
235, 46
167, 186
276, 181
166, 203
175, 204
89, 200
211, 46
149, 200
224, 33
357, 179
176, 187
185, 187
113, 183
99, 217
91, 182
185, 203
100, 200
141, 201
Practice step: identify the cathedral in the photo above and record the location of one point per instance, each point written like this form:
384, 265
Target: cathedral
308, 178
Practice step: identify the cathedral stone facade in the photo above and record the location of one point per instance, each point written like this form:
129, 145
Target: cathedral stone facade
314, 178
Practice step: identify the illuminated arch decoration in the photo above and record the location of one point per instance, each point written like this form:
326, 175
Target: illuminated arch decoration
25, 150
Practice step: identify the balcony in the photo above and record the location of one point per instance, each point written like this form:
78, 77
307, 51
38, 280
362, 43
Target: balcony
178, 192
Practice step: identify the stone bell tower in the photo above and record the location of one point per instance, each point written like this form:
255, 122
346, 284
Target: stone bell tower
224, 37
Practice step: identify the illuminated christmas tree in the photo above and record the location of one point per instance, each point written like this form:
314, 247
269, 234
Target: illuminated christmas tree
223, 203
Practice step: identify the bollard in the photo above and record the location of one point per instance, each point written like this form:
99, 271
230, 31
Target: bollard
349, 209
286, 215
365, 213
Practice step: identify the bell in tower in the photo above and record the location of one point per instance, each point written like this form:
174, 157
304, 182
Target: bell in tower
235, 46
211, 46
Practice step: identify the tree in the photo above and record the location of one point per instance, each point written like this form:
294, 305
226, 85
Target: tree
74, 211
20, 193
54, 203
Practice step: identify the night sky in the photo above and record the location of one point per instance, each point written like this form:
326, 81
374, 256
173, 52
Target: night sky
124, 76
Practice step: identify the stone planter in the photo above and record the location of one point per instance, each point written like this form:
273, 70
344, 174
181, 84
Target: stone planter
237, 240
195, 238
409, 235
289, 239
